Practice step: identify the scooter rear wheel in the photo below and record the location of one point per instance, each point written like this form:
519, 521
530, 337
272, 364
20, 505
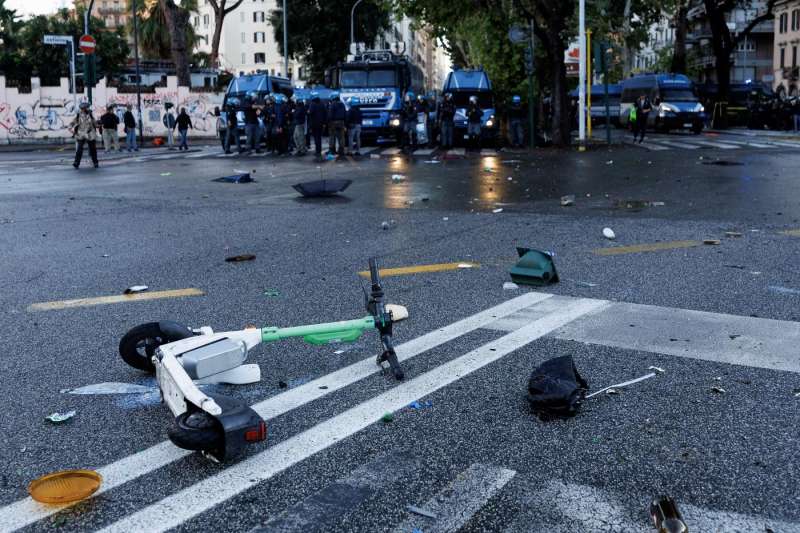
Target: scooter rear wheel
197, 431
140, 343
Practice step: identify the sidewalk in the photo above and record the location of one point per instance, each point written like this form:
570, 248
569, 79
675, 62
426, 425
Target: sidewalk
56, 146
788, 135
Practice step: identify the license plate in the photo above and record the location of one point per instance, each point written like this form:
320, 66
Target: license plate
170, 393
366, 122
466, 136
687, 125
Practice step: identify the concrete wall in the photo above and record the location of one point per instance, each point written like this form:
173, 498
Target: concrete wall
45, 112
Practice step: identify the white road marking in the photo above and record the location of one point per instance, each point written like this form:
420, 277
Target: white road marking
424, 151
391, 151
738, 340
488, 152
653, 147
784, 144
27, 511
455, 504
713, 144
187, 503
557, 507
749, 144
458, 152
680, 145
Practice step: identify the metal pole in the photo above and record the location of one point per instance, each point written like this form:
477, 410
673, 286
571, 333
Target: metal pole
352, 25
582, 74
88, 74
604, 61
531, 95
138, 74
285, 42
589, 82
74, 86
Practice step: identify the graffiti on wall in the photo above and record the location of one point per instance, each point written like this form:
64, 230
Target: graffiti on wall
49, 117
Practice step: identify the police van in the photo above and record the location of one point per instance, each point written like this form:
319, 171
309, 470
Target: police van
673, 97
252, 88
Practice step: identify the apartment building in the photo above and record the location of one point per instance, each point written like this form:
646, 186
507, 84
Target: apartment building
660, 35
786, 63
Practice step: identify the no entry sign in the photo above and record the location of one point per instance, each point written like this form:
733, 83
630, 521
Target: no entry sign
87, 44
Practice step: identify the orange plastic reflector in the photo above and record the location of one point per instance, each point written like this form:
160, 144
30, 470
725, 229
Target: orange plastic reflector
65, 486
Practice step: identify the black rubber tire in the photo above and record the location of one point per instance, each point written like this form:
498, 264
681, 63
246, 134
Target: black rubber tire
140, 343
197, 431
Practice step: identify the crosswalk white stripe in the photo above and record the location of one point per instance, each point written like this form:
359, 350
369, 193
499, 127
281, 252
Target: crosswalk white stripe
457, 152
713, 144
653, 147
784, 144
424, 151
681, 145
214, 490
27, 511
458, 502
749, 144
488, 151
391, 151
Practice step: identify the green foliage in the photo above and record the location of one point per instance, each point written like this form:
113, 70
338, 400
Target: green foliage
52, 62
155, 40
319, 32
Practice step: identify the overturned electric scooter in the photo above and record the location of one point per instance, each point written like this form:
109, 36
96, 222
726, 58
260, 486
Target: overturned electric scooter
183, 358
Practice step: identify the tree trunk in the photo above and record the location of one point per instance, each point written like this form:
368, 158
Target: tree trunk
177, 19
626, 51
219, 16
722, 47
681, 29
559, 100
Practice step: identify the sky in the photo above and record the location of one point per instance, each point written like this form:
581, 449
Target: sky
37, 7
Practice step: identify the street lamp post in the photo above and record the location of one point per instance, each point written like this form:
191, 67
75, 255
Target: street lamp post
88, 59
285, 42
582, 74
138, 75
352, 25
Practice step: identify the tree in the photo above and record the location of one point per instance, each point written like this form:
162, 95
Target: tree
723, 44
51, 62
319, 31
678, 63
221, 10
10, 26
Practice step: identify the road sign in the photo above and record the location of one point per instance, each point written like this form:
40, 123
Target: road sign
87, 44
517, 35
57, 39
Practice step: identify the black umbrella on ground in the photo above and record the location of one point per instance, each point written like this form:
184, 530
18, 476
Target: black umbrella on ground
314, 189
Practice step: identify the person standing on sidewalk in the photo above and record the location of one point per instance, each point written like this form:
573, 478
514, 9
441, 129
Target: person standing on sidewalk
354, 126
317, 115
474, 118
83, 129
446, 116
643, 108
232, 131
129, 121
337, 114
184, 122
109, 122
299, 121
516, 116
169, 123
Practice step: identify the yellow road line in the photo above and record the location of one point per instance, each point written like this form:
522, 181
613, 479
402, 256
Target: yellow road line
654, 247
115, 299
419, 269
791, 232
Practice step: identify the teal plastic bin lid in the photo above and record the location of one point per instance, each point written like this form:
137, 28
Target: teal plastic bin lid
534, 267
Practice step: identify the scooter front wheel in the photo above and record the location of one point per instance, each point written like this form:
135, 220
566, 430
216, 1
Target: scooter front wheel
138, 346
197, 431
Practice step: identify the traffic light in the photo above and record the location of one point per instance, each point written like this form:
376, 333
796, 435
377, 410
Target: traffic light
80, 65
99, 67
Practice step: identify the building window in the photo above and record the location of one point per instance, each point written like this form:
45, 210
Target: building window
205, 21
259, 58
241, 16
794, 56
244, 59
746, 46
783, 23
259, 37
300, 73
258, 16
243, 37
197, 22
272, 72
796, 20
783, 57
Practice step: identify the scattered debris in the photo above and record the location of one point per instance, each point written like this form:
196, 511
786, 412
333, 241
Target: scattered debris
498, 210
416, 404
60, 418
445, 218
385, 225
555, 389
658, 204
534, 267
105, 255
510, 178
166, 173
783, 290
136, 288
488, 169
322, 188
622, 385
609, 234
282, 384
658, 369
465, 265
738, 267
718, 390
610, 162
797, 394
666, 516
712, 242
723, 163
272, 293
568, 200
236, 178
733, 337
732, 234
432, 161
240, 258
510, 286
409, 202
581, 283
397, 178
109, 387
375, 156
425, 198
387, 418
612, 391
422, 512
65, 486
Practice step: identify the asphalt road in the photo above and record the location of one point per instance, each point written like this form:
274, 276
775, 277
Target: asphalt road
471, 453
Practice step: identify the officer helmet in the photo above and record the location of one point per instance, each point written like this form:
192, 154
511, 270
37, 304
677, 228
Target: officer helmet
473, 99
84, 105
409, 96
516, 99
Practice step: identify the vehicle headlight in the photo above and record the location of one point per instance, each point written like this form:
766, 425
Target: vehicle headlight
699, 108
490, 122
394, 122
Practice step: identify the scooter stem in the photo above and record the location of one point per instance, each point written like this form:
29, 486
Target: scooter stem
347, 330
